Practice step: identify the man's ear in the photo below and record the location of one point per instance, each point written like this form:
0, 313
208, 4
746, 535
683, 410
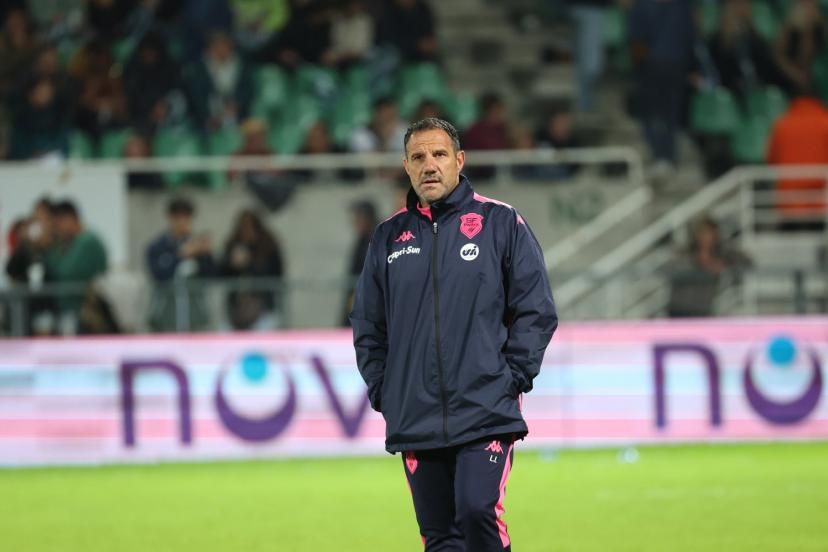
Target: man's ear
461, 160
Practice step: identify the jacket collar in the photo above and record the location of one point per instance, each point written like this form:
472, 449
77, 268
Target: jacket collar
460, 195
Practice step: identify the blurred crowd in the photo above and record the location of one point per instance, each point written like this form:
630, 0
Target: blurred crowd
60, 262
113, 76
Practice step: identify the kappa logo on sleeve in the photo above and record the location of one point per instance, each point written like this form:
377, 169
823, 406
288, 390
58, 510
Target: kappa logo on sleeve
405, 236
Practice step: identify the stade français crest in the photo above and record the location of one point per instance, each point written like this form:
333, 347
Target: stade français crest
471, 224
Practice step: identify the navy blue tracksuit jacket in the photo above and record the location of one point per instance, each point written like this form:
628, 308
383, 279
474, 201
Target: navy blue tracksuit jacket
452, 315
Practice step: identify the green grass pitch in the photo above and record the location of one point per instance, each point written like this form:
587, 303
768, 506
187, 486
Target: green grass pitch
730, 498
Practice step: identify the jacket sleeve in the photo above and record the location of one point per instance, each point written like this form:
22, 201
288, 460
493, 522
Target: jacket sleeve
530, 309
369, 324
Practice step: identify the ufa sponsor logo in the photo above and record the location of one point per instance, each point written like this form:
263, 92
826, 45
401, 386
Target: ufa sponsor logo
406, 251
469, 252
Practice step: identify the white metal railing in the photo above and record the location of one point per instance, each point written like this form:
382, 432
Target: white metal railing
735, 195
334, 161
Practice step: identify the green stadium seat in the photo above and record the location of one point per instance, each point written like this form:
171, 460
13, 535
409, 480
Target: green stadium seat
615, 27
461, 109
112, 144
767, 103
714, 111
764, 19
351, 110
709, 14
819, 74
177, 142
301, 111
424, 78
287, 139
122, 49
356, 80
80, 146
749, 141
272, 92
222, 143
315, 81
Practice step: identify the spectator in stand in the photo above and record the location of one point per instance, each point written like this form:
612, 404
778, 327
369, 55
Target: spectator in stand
58, 20
696, 273
589, 17
102, 105
408, 27
253, 252
489, 132
385, 132
363, 221
742, 59
153, 88
306, 38
352, 33
138, 147
273, 187
188, 23
801, 40
176, 257
78, 257
109, 19
222, 86
42, 111
18, 49
662, 38
558, 132
257, 21
428, 109
27, 266
800, 137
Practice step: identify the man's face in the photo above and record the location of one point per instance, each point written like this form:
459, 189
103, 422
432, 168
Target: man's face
433, 165
181, 225
66, 227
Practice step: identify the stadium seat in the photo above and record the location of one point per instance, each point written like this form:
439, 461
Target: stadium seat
356, 80
272, 91
112, 144
749, 140
287, 139
709, 12
461, 109
222, 143
615, 27
819, 73
177, 142
424, 78
767, 103
714, 111
80, 146
764, 19
301, 111
352, 109
122, 49
314, 80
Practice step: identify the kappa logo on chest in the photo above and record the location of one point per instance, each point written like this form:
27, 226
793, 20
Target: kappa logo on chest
471, 224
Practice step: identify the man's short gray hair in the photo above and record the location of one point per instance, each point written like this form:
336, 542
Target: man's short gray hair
433, 123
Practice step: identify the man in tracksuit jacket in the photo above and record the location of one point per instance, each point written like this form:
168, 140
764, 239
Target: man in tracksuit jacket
451, 318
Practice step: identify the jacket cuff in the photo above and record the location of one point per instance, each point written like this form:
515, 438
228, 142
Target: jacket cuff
374, 394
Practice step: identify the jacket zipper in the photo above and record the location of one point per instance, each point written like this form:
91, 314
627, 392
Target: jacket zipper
437, 334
